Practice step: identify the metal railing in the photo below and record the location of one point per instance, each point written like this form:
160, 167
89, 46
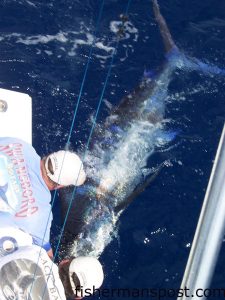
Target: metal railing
210, 231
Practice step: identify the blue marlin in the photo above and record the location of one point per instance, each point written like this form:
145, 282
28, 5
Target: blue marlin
117, 159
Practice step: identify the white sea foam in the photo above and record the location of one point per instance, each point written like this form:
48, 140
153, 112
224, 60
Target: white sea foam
129, 158
127, 29
103, 47
70, 41
41, 39
80, 42
22, 2
102, 237
31, 3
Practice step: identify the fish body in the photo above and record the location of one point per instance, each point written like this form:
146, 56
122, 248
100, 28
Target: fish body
117, 159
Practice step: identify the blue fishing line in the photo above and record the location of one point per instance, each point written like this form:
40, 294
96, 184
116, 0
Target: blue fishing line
73, 121
88, 142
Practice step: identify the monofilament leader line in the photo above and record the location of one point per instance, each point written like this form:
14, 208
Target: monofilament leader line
73, 122
89, 138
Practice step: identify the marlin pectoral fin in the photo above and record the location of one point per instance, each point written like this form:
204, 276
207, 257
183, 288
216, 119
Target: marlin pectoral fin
194, 64
137, 191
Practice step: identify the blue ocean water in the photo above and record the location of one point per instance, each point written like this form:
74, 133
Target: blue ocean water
44, 48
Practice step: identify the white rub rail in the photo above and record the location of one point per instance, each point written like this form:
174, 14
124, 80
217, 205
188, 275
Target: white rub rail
209, 233
15, 115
